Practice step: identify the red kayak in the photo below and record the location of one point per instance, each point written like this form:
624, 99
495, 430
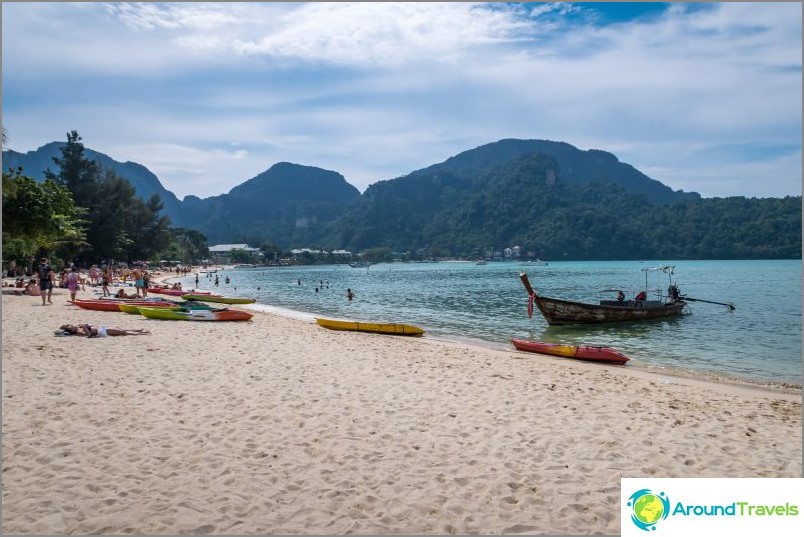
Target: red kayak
580, 352
111, 304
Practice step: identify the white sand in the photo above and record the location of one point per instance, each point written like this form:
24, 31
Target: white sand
280, 426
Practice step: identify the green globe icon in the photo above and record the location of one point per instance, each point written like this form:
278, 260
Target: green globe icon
648, 509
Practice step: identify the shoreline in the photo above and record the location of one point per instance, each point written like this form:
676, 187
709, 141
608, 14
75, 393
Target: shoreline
693, 375
280, 426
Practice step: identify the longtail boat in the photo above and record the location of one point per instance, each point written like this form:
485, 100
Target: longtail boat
565, 312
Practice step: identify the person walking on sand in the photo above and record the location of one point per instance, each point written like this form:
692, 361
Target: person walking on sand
73, 281
45, 275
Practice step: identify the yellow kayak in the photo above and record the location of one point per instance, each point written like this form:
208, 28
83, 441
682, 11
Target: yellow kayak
378, 328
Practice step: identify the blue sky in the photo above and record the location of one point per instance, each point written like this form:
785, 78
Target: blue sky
703, 97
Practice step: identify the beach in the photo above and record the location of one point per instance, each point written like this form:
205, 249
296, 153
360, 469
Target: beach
279, 426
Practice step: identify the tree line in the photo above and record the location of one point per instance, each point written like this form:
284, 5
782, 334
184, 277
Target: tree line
84, 214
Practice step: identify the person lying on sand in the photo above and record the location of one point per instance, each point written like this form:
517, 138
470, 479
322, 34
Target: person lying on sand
98, 331
122, 294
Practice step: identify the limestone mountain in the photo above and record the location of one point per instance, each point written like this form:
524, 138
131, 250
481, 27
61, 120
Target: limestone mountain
287, 204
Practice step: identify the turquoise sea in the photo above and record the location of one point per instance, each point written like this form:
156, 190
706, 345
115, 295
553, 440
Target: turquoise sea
759, 341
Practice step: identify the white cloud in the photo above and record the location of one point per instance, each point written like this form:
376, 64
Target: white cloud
376, 90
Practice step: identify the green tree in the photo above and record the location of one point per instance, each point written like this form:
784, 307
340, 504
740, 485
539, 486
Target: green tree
79, 174
186, 245
241, 256
121, 225
38, 217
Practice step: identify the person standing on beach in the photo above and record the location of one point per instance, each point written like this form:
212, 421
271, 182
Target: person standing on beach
45, 275
73, 281
146, 281
106, 279
138, 282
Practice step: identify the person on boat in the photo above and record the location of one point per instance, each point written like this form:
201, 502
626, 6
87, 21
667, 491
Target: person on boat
673, 292
641, 296
620, 296
87, 330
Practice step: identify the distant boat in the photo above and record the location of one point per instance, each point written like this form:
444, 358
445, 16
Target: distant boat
397, 329
481, 262
360, 264
535, 262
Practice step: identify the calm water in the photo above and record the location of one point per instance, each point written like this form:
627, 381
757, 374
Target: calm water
760, 340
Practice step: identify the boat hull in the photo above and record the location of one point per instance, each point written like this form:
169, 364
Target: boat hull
579, 352
397, 329
219, 299
135, 309
113, 304
564, 312
195, 314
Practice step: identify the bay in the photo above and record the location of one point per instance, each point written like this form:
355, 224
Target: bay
759, 341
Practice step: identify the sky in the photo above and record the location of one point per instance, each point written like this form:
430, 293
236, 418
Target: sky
704, 97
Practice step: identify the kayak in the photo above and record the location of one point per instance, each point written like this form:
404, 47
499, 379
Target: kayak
195, 314
218, 299
135, 309
176, 292
579, 352
112, 304
378, 328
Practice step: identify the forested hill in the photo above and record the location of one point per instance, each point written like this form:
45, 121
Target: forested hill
550, 198
577, 166
528, 203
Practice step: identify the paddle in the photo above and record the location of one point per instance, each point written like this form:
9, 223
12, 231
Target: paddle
730, 306
531, 292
